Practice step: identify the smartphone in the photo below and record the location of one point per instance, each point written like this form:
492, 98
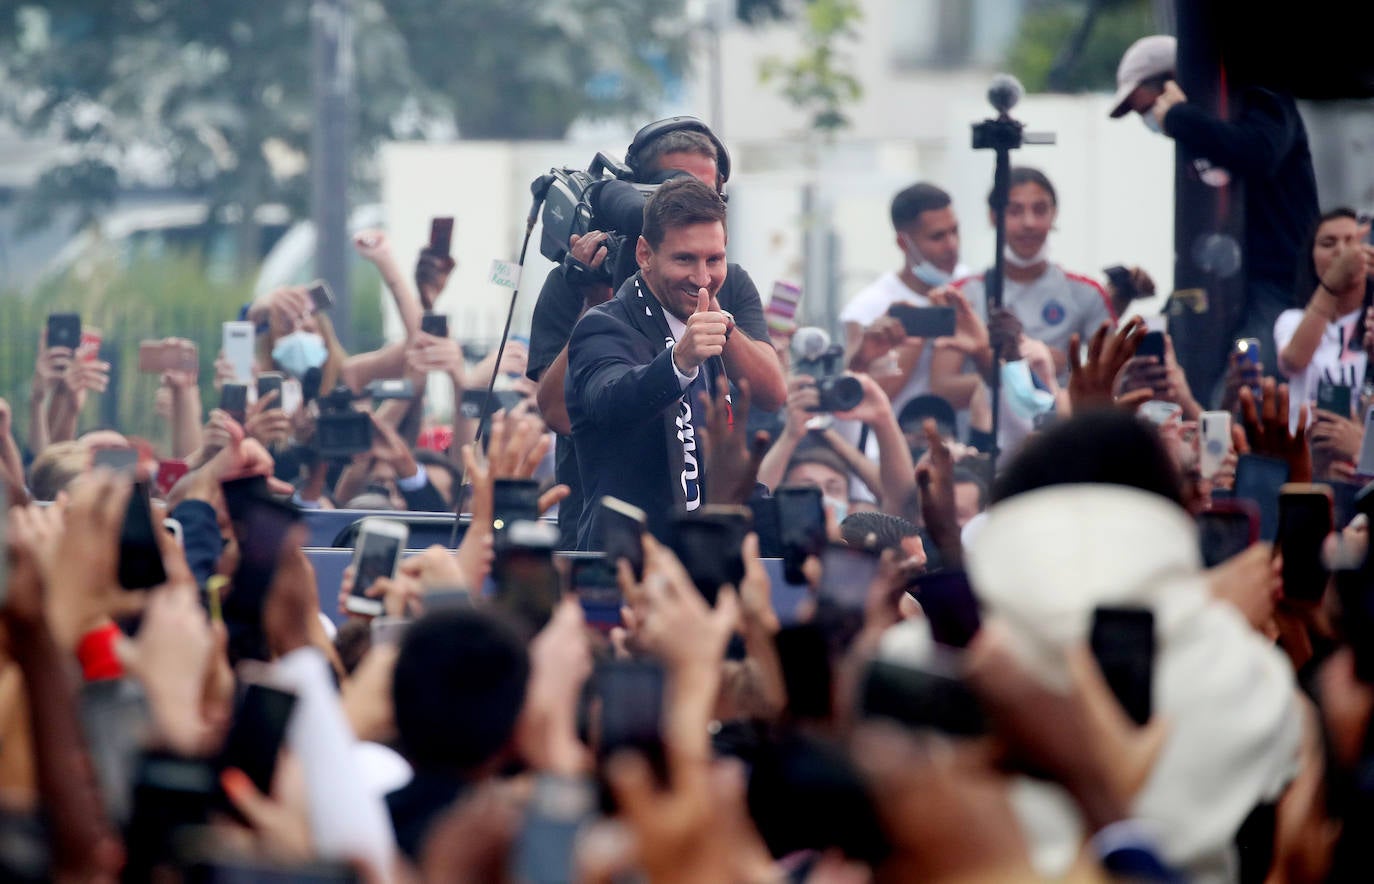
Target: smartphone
558, 811
441, 236
950, 607
630, 695
1152, 344
765, 515
238, 349
171, 793
622, 533
513, 500
435, 324
256, 735
342, 434
1334, 398
64, 330
1258, 479
320, 295
233, 400
1305, 519
808, 677
1123, 642
120, 460
390, 630
924, 322
846, 573
1159, 412
592, 579
704, 547
475, 402
1226, 529
1120, 278
528, 585
1249, 350
376, 554
801, 527
1357, 620
271, 382
152, 357
929, 697
140, 557
116, 722
1215, 442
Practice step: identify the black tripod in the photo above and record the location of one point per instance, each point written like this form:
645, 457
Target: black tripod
1002, 135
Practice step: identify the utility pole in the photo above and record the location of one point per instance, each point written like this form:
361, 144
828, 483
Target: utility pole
331, 142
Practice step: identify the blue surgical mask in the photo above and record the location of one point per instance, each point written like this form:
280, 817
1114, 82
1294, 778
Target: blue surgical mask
922, 269
299, 352
1025, 399
1151, 122
838, 508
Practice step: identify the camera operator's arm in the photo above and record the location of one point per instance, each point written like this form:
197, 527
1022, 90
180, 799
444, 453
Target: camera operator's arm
375, 247
552, 309
801, 395
1253, 145
874, 342
897, 484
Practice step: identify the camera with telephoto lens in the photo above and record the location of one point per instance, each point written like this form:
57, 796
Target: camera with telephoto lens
813, 354
341, 430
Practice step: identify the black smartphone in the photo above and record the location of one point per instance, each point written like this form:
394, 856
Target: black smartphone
592, 579
342, 434
766, 526
1258, 479
64, 330
513, 500
924, 322
950, 607
921, 698
441, 235
1305, 520
1334, 398
622, 533
1120, 278
804, 655
528, 584
801, 527
435, 324
1357, 620
233, 400
270, 382
121, 460
1151, 345
703, 545
140, 557
846, 574
256, 735
475, 402
1123, 642
320, 295
557, 813
170, 794
1226, 529
631, 710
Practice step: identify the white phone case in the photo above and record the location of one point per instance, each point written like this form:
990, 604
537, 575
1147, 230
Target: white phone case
238, 350
1214, 442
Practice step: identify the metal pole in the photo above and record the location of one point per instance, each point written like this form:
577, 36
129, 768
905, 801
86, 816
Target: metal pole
331, 141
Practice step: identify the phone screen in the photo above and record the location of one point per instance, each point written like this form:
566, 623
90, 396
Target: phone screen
804, 655
1304, 523
622, 535
435, 324
256, 735
320, 295
948, 602
1225, 534
924, 322
64, 330
703, 547
1258, 479
846, 574
801, 527
1123, 641
441, 235
514, 500
233, 399
375, 557
631, 695
527, 584
270, 382
593, 581
140, 557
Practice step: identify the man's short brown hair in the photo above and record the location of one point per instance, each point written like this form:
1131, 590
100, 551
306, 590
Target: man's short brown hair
680, 202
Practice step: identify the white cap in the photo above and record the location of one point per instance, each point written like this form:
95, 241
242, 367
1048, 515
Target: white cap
1148, 57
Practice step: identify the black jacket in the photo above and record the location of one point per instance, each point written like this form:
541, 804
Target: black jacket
624, 400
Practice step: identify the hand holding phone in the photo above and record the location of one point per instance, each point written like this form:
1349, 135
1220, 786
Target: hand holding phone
924, 322
64, 330
1305, 519
376, 554
801, 527
622, 533
1123, 642
441, 235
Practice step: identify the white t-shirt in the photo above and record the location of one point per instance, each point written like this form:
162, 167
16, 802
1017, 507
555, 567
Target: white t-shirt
1334, 357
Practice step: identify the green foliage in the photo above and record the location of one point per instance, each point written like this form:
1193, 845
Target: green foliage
819, 81
1044, 31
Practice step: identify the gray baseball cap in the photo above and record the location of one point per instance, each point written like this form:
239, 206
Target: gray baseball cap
1148, 57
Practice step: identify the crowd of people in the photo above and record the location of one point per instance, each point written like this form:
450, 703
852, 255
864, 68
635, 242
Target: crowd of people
1065, 665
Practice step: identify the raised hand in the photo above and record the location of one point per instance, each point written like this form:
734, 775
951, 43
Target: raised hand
1266, 429
732, 457
704, 337
1093, 380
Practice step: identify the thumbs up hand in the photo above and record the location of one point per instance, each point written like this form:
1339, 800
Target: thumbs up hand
704, 337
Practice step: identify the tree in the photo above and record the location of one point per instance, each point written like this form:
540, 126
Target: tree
818, 81
1045, 31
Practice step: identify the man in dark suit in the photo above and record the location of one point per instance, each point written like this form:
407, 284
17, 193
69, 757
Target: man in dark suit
639, 364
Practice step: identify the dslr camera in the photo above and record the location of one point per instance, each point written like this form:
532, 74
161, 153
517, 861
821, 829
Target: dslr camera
814, 355
341, 430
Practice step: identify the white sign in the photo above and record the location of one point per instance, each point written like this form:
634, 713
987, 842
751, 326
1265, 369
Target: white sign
505, 274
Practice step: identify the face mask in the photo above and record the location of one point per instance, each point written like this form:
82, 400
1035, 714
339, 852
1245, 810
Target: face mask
922, 269
299, 352
1025, 399
839, 508
1016, 260
1151, 122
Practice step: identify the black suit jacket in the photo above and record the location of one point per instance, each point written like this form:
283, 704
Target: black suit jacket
624, 399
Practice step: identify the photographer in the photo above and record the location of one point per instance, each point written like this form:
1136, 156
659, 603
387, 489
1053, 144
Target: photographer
659, 149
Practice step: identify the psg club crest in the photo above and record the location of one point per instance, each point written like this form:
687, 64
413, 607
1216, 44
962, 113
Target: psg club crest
1054, 313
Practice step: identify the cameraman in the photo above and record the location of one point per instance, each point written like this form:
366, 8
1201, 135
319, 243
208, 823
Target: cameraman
686, 146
